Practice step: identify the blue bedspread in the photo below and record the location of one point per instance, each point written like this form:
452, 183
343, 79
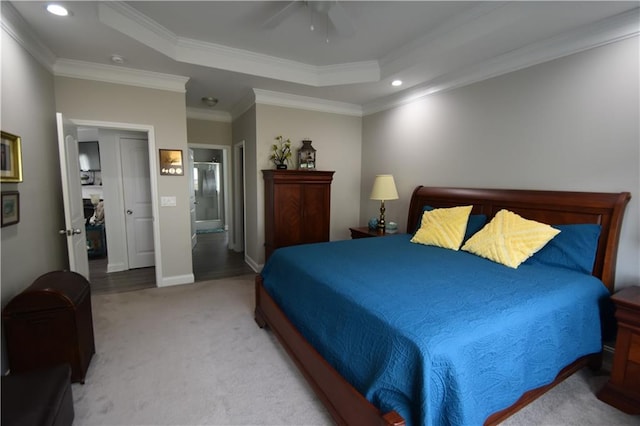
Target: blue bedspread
442, 337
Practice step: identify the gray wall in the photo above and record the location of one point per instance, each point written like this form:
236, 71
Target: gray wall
32, 247
337, 139
166, 112
568, 124
208, 132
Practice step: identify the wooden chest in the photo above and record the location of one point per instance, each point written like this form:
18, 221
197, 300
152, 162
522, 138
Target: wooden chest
51, 323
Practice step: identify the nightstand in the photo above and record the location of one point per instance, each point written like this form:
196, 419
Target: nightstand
623, 388
365, 232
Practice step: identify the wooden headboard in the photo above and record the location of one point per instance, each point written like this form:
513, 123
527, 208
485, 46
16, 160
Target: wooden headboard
552, 207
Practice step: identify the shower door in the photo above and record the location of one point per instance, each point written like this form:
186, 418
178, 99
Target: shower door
207, 189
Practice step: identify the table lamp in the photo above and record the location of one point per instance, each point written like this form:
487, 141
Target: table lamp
384, 188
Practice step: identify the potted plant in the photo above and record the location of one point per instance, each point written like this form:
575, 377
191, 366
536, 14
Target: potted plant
281, 152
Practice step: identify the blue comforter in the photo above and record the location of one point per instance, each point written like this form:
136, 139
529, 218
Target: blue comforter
442, 337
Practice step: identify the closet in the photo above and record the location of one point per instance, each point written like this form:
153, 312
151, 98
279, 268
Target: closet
297, 207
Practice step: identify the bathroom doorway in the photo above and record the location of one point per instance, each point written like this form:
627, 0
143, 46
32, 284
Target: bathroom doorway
211, 181
208, 175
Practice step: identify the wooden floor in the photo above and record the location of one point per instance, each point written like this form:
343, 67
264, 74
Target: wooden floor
211, 259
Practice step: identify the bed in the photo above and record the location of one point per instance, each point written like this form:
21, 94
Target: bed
367, 313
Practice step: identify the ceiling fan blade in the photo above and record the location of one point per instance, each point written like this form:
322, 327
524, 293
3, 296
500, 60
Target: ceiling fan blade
341, 21
281, 15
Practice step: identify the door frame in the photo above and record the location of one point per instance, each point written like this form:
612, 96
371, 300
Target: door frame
228, 219
153, 171
192, 198
239, 197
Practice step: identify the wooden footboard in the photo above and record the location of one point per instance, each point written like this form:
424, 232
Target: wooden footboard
593, 361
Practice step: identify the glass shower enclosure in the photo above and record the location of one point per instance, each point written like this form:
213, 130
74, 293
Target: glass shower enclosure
208, 195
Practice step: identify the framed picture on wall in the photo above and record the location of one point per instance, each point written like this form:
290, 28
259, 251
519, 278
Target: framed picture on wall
171, 162
10, 158
10, 208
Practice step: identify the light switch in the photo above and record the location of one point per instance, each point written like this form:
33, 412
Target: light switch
167, 201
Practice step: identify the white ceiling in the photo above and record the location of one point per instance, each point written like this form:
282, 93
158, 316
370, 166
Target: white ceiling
227, 48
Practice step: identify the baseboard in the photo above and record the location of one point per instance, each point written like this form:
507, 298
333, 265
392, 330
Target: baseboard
177, 280
116, 267
253, 264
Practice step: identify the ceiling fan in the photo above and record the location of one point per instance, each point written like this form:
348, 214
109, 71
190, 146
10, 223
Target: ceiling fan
319, 11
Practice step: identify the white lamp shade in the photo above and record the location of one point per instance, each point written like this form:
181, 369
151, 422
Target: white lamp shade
384, 188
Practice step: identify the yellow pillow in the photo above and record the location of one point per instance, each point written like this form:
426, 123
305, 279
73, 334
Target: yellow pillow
443, 227
509, 239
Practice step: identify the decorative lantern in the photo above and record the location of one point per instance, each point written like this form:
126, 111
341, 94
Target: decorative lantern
306, 156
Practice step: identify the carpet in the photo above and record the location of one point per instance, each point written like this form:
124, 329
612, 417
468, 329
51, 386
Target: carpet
193, 355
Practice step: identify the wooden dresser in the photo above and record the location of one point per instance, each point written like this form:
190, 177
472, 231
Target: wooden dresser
297, 207
623, 388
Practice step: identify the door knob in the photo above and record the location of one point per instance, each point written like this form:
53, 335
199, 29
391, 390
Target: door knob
69, 232
129, 211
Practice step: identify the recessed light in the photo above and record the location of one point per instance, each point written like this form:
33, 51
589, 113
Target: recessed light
57, 9
396, 83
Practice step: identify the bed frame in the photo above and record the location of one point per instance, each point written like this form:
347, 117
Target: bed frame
344, 403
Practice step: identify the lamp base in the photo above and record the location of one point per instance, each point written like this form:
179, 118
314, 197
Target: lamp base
381, 223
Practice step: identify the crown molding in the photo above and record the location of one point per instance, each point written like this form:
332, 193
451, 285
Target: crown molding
138, 26
119, 75
243, 105
16, 27
610, 30
454, 31
268, 97
208, 115
348, 73
127, 20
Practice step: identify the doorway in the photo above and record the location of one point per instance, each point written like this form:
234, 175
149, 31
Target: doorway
116, 220
208, 190
213, 223
210, 183
125, 224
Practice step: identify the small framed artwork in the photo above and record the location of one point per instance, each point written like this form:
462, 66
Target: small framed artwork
10, 208
10, 158
171, 162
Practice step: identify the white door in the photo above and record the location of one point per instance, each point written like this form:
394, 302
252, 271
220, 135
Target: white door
136, 187
192, 199
74, 220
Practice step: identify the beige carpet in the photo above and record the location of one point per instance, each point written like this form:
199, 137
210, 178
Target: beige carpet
192, 355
